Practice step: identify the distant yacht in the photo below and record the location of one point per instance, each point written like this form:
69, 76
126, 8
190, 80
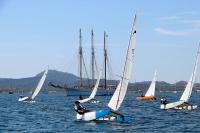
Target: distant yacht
150, 94
35, 91
183, 102
10, 92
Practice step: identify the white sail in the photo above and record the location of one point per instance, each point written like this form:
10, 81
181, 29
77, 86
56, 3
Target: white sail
188, 90
93, 94
151, 90
40, 84
121, 89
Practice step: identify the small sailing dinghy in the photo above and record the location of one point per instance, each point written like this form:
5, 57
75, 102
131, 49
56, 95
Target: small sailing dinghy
111, 113
183, 102
35, 91
150, 94
91, 98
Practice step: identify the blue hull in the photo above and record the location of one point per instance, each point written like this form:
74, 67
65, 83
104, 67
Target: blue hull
118, 118
125, 119
102, 113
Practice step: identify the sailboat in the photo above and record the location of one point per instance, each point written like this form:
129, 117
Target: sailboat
111, 113
35, 91
150, 94
91, 98
183, 102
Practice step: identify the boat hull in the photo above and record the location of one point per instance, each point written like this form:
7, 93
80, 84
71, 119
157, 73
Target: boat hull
26, 100
117, 118
93, 115
142, 98
103, 115
171, 105
186, 107
94, 101
21, 99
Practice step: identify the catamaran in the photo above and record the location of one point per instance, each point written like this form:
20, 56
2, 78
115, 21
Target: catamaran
35, 91
183, 102
91, 98
150, 94
111, 113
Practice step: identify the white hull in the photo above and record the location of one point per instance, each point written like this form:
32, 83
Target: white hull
186, 107
92, 115
89, 116
105, 116
94, 101
180, 105
23, 99
26, 100
171, 105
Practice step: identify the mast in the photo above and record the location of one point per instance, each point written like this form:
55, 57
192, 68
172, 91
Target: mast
93, 57
105, 59
80, 58
188, 90
120, 92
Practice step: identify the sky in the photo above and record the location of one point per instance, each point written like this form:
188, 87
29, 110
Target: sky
36, 34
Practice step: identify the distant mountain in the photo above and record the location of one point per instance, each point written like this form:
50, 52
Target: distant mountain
70, 80
162, 86
26, 84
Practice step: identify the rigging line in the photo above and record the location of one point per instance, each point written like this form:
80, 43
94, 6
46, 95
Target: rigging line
92, 57
37, 82
96, 66
194, 69
105, 60
132, 33
80, 56
193, 76
124, 73
110, 72
87, 76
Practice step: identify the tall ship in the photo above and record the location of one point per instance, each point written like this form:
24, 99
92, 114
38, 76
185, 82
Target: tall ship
87, 80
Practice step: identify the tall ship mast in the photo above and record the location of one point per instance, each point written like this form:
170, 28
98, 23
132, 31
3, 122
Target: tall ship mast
107, 66
80, 59
105, 61
92, 58
82, 65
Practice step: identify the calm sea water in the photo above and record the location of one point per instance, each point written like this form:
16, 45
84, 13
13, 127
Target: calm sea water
53, 112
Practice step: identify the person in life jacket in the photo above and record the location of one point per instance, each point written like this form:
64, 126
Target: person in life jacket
163, 101
80, 109
141, 93
80, 97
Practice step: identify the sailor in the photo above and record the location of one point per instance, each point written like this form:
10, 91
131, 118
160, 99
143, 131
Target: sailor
142, 94
163, 101
80, 97
80, 109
